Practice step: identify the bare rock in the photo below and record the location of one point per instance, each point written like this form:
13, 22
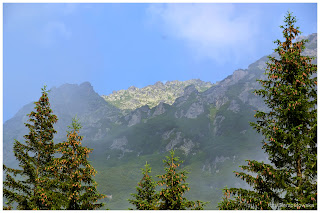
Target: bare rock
135, 118
217, 123
187, 146
167, 134
119, 143
234, 106
189, 90
195, 110
159, 109
174, 142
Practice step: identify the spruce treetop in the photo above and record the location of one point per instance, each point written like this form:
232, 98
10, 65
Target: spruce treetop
75, 172
146, 197
35, 188
171, 197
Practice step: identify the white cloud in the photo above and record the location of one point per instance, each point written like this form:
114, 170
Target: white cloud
216, 31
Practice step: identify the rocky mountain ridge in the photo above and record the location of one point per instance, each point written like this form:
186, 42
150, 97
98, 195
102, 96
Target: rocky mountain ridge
152, 95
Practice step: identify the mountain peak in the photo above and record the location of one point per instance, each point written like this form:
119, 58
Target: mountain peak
159, 84
132, 88
86, 84
152, 95
188, 90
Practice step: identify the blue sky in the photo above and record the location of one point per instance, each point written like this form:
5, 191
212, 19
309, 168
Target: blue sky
115, 46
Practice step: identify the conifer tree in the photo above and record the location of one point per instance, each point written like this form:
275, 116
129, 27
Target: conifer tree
146, 197
75, 174
290, 130
171, 197
33, 185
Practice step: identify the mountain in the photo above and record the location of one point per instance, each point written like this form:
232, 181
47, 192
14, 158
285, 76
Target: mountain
152, 95
66, 101
208, 126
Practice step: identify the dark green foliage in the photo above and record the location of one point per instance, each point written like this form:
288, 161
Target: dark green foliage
290, 130
34, 185
45, 182
146, 197
75, 173
171, 197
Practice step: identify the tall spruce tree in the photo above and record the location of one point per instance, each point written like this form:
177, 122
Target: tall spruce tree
146, 197
75, 174
34, 186
290, 130
171, 197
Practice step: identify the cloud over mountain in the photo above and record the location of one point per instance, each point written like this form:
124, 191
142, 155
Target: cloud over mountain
206, 28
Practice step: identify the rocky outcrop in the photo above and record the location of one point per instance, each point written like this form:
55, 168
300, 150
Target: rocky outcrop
159, 109
217, 123
177, 141
135, 118
120, 144
166, 135
234, 106
187, 146
215, 165
220, 159
195, 110
187, 93
189, 90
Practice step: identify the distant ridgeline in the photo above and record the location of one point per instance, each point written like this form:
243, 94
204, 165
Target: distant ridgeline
152, 95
